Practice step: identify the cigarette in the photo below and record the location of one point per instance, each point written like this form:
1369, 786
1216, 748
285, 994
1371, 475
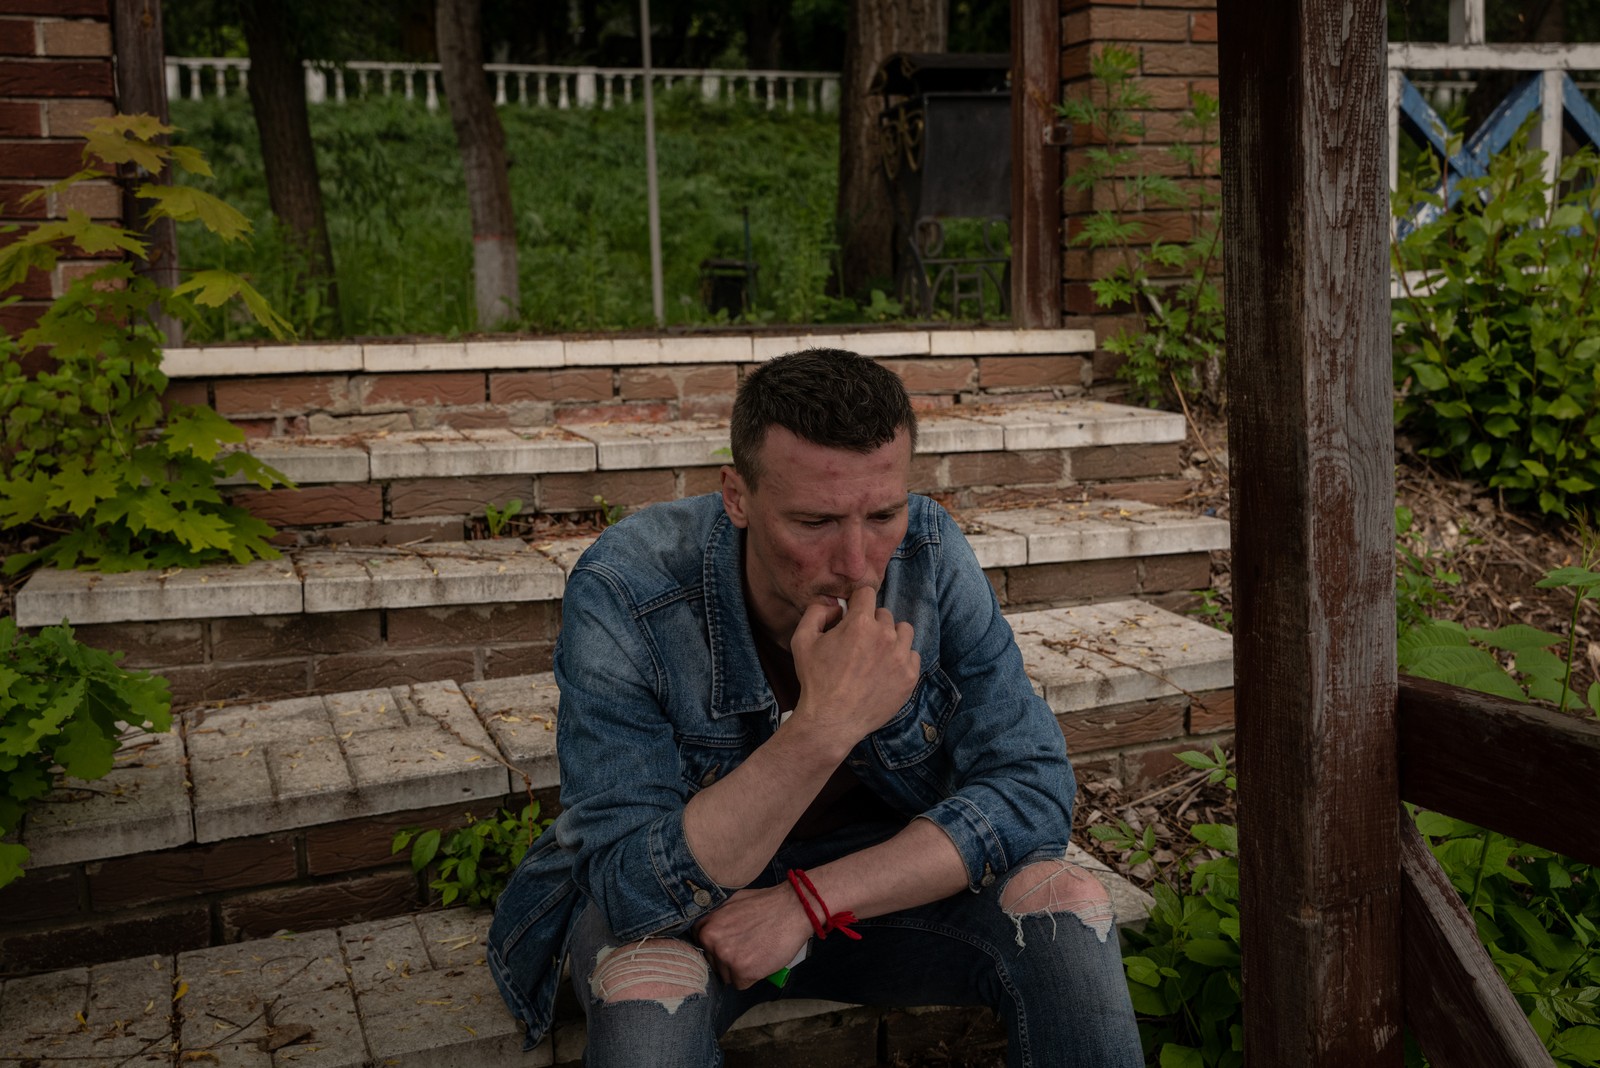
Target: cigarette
843, 605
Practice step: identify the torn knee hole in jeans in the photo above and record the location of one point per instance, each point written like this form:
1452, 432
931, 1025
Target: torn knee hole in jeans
1053, 887
663, 970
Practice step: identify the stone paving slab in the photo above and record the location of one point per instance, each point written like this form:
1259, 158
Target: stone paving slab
446, 453
289, 988
142, 805
282, 765
1077, 424
1107, 654
262, 588
96, 1017
565, 551
425, 994
1009, 342
868, 343
228, 361
632, 446
520, 714
1100, 530
493, 571
521, 354
999, 548
938, 434
310, 459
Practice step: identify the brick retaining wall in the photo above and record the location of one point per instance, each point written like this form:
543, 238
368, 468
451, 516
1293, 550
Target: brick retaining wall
1176, 44
55, 75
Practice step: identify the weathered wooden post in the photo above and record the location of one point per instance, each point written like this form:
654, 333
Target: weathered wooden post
1304, 155
1035, 164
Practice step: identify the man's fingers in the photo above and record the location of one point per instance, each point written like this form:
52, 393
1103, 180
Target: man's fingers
813, 621
904, 633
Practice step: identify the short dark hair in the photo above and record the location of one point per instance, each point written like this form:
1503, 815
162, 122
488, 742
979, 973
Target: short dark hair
826, 396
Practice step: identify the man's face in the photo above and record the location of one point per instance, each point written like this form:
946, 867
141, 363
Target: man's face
822, 523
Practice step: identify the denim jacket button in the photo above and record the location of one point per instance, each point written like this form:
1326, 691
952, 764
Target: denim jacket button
702, 898
930, 732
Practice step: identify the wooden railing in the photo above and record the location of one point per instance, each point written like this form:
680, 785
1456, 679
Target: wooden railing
526, 85
1525, 772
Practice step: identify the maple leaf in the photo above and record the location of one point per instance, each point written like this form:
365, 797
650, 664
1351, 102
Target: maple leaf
191, 160
200, 431
23, 500
78, 490
277, 324
200, 530
126, 139
213, 288
22, 256
183, 203
88, 235
152, 511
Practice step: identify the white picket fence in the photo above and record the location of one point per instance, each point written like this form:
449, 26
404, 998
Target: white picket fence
197, 78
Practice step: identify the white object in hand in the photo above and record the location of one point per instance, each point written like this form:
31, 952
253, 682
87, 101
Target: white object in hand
844, 605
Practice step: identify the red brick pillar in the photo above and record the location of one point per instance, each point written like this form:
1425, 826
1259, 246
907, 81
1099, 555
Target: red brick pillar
1176, 44
55, 75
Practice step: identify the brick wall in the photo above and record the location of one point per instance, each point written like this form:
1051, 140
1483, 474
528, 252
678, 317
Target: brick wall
1176, 44
290, 405
55, 75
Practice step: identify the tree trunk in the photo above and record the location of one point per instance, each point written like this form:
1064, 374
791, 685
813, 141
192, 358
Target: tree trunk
278, 98
764, 21
142, 90
876, 29
483, 158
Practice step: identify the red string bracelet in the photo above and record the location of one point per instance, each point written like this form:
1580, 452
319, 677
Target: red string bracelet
829, 921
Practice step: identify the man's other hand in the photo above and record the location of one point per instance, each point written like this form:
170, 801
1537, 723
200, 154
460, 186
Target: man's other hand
753, 934
855, 676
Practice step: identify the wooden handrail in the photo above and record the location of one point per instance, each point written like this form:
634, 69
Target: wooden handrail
1524, 771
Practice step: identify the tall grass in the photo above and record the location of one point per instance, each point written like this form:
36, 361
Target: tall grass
401, 231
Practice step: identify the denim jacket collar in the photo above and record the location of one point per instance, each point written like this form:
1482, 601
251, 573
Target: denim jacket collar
738, 682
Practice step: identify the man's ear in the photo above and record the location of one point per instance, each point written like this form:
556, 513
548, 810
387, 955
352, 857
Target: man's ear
735, 496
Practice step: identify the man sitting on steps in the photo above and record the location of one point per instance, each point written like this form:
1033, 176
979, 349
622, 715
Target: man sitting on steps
794, 726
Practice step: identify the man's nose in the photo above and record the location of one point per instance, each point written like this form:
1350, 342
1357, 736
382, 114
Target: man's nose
850, 553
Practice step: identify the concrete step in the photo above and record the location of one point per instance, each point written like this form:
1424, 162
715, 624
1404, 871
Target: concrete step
393, 487
410, 991
326, 620
279, 814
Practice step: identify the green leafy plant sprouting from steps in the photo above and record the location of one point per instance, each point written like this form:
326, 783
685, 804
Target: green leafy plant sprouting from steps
475, 861
497, 518
88, 457
62, 705
1181, 345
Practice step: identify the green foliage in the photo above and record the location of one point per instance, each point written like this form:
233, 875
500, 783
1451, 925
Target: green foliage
1183, 966
62, 705
1538, 913
1497, 336
610, 514
86, 452
474, 861
1170, 284
497, 518
1210, 610
1583, 580
1422, 581
399, 222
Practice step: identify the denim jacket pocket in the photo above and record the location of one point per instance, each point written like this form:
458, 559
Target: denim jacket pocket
917, 731
703, 760
527, 940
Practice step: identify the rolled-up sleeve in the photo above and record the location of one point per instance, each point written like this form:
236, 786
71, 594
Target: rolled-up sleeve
1013, 786
622, 796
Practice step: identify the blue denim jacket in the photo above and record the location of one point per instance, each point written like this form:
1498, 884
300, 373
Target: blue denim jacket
662, 693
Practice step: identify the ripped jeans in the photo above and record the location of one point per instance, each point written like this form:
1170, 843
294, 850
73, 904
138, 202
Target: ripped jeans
1044, 956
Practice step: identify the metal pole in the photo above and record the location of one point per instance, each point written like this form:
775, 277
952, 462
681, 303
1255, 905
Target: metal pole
652, 192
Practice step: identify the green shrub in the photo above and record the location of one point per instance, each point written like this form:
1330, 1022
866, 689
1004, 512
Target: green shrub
1497, 333
61, 704
88, 457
